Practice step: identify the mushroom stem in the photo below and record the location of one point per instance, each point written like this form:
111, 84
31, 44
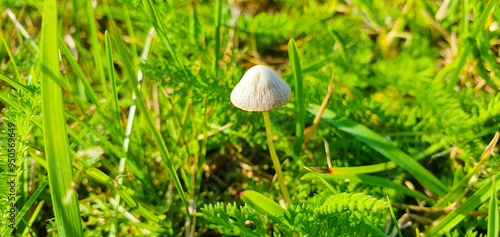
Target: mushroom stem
274, 158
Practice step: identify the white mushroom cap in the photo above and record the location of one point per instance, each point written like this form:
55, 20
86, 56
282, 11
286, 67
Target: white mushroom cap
260, 89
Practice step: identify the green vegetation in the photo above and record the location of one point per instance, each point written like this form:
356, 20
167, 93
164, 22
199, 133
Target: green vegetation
124, 125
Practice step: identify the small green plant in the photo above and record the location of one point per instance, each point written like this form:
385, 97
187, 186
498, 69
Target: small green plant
18, 121
231, 219
324, 214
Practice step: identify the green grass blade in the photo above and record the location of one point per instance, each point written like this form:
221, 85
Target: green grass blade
385, 148
370, 180
116, 115
394, 217
493, 212
465, 19
12, 60
455, 217
94, 43
299, 95
75, 93
342, 49
8, 101
12, 82
328, 185
265, 205
33, 218
314, 66
204, 144
217, 38
112, 81
366, 169
131, 34
60, 170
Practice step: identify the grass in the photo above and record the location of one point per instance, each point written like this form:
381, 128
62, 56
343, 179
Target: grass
384, 147
299, 95
126, 128
493, 212
60, 172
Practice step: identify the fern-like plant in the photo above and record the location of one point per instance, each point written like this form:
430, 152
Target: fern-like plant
233, 220
17, 120
325, 214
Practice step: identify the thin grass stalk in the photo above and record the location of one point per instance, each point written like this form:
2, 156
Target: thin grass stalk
73, 48
218, 15
74, 18
194, 166
182, 137
130, 30
493, 225
33, 218
14, 83
94, 43
116, 114
393, 217
112, 82
60, 170
24, 182
299, 95
203, 146
201, 161
12, 60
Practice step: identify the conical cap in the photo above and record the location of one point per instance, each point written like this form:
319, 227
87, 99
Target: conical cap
260, 89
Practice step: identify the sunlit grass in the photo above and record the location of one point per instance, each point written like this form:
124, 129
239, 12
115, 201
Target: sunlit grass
60, 171
127, 127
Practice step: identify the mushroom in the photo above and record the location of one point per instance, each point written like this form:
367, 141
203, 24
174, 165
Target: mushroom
262, 90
